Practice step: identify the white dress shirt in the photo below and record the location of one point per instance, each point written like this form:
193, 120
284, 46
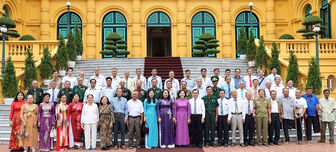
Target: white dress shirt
232, 108
72, 80
50, 91
223, 104
175, 84
100, 81
200, 107
247, 81
173, 93
278, 89
95, 92
302, 103
115, 82
241, 93
254, 92
205, 81
159, 82
222, 81
246, 106
135, 108
267, 93
291, 91
143, 79
275, 108
109, 92
272, 76
201, 91
129, 83
90, 114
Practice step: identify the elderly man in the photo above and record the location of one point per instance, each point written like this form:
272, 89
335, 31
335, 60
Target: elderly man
249, 79
154, 77
227, 87
53, 91
291, 88
274, 127
126, 92
221, 80
108, 90
254, 90
262, 112
278, 87
70, 78
299, 111
135, 119
157, 91
327, 108
94, 91
222, 125
241, 92
197, 110
129, 83
80, 88
249, 120
140, 77
67, 91
237, 78
190, 81
57, 79
205, 80
36, 92
311, 115
101, 82
184, 85
85, 81
211, 117
236, 116
268, 89
175, 82
115, 79
215, 89
261, 79
273, 75
200, 88
288, 106
172, 91
142, 94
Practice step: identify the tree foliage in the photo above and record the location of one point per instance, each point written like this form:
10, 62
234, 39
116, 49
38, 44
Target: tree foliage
10, 25
261, 56
46, 67
9, 83
71, 47
30, 72
314, 79
78, 41
114, 45
251, 47
207, 43
61, 55
274, 61
293, 69
242, 41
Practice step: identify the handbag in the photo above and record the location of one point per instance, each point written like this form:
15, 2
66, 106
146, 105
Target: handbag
53, 132
145, 129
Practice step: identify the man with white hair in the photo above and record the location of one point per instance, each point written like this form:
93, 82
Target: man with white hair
205, 80
268, 89
262, 79
36, 92
155, 77
85, 81
291, 88
175, 82
200, 88
129, 83
241, 91
278, 87
139, 76
249, 79
273, 75
115, 79
101, 82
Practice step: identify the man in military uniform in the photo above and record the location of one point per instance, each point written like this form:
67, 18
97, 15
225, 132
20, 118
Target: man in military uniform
211, 116
184, 85
80, 89
215, 89
142, 94
126, 92
67, 91
262, 110
36, 92
157, 91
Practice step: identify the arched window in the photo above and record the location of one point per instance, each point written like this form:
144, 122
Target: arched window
62, 24
202, 22
245, 20
331, 82
308, 9
114, 22
326, 19
5, 11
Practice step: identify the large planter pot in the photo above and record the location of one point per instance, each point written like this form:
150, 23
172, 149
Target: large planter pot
46, 82
8, 101
62, 73
251, 63
243, 57
71, 64
79, 57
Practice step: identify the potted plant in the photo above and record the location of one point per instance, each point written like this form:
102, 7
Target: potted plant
251, 50
61, 57
78, 43
242, 43
46, 66
208, 44
9, 82
71, 49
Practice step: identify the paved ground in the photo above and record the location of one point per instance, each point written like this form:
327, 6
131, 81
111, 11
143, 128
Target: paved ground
292, 147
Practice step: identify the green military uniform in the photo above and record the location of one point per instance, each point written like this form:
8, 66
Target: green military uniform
211, 105
142, 95
127, 94
188, 94
68, 94
37, 94
261, 107
215, 92
80, 90
157, 92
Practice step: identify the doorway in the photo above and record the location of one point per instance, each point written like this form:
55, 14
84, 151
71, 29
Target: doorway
158, 41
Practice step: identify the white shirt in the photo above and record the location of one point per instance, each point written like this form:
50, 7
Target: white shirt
175, 84
278, 89
247, 81
267, 92
201, 91
143, 79
129, 83
205, 81
173, 94
109, 92
254, 92
115, 82
225, 104
159, 82
222, 81
50, 91
246, 106
100, 81
241, 93
275, 108
135, 108
291, 92
302, 103
90, 114
95, 92
200, 107
232, 109
72, 80
272, 76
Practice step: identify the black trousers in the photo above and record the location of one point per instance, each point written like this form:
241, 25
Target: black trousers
223, 126
119, 124
287, 123
274, 128
248, 129
312, 120
196, 129
299, 128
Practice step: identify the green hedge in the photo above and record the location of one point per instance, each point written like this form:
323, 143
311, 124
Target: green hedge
27, 38
286, 36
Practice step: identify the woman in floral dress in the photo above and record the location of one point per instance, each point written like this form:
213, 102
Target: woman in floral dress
15, 122
106, 119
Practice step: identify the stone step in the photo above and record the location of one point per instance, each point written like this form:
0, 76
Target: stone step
4, 121
4, 116
5, 127
5, 134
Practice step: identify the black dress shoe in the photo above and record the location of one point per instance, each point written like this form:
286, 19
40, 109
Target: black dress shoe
276, 143
246, 144
200, 146
226, 144
233, 144
242, 145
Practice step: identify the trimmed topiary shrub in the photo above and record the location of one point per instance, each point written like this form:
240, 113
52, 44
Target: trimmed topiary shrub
207, 43
309, 22
114, 45
9, 82
9, 24
27, 38
286, 36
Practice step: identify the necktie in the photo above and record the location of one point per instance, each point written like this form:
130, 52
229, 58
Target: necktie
195, 107
222, 107
242, 94
255, 93
250, 82
53, 96
229, 90
236, 106
127, 83
249, 108
35, 92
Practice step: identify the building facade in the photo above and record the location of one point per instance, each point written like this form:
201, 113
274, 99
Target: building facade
166, 28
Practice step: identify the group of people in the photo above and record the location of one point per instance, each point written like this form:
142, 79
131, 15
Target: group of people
163, 113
